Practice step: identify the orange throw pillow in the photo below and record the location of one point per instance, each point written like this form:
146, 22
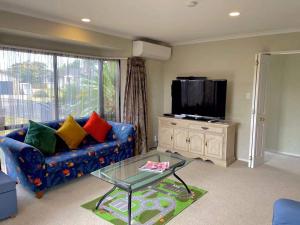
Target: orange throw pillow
97, 127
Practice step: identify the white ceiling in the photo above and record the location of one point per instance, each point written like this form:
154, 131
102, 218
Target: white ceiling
168, 20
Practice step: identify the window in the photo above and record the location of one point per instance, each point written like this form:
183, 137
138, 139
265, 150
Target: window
111, 71
43, 87
78, 86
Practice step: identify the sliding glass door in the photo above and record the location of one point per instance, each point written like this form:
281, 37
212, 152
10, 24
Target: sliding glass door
43, 87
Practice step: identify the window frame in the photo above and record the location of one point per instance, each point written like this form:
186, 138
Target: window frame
55, 55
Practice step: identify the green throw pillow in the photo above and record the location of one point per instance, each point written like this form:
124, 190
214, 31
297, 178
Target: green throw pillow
41, 137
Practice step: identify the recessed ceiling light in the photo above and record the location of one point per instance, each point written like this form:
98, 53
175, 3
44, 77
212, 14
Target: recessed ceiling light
86, 20
233, 14
191, 3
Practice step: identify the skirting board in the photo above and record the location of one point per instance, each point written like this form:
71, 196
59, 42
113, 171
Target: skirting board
242, 159
282, 153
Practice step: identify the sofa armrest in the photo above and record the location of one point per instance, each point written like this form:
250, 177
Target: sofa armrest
122, 132
24, 163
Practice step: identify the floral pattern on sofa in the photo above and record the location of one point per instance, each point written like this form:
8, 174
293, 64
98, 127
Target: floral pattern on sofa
38, 172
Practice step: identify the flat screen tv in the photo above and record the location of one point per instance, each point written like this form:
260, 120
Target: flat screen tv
200, 97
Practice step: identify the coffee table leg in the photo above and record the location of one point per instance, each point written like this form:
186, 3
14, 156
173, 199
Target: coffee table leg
178, 178
104, 196
129, 207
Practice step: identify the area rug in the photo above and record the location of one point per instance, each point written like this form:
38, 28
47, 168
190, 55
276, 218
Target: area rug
156, 204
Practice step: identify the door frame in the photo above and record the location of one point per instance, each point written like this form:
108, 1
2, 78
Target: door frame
255, 99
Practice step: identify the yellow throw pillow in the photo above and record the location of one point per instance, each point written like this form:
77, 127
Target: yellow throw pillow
71, 132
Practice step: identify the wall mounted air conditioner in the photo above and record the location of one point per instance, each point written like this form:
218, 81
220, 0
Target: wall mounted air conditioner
149, 50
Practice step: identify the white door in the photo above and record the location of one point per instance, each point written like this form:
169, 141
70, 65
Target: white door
196, 142
258, 112
214, 145
166, 137
181, 139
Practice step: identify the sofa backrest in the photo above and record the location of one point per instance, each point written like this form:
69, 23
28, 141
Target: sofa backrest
20, 134
119, 131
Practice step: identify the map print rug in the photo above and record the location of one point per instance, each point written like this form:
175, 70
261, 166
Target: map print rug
156, 204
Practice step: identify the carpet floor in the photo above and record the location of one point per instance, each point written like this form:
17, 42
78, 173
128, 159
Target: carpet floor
236, 195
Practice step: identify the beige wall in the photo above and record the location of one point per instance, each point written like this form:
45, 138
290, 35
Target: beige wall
289, 141
232, 60
273, 101
20, 30
155, 98
284, 112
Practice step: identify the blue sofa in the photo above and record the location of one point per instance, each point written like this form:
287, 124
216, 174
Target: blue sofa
286, 212
28, 166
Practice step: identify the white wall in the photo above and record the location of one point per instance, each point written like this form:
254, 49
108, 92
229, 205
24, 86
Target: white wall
232, 60
283, 121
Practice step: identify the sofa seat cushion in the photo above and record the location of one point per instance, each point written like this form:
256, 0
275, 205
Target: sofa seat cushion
74, 158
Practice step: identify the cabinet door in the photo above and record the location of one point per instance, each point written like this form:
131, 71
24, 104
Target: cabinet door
196, 142
214, 145
180, 139
166, 137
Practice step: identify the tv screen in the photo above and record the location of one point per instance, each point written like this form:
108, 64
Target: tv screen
199, 97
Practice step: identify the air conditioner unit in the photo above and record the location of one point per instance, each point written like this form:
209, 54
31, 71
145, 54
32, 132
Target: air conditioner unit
150, 50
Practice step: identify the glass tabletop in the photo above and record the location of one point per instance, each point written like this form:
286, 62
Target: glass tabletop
127, 175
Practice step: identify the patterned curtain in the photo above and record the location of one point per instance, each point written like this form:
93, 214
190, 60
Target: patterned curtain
135, 103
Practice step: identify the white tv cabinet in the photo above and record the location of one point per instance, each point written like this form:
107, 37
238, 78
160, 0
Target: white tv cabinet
198, 139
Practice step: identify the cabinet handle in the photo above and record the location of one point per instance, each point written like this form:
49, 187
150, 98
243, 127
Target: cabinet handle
173, 123
206, 144
171, 138
205, 128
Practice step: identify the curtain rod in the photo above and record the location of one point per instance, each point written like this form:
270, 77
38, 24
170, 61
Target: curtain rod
46, 51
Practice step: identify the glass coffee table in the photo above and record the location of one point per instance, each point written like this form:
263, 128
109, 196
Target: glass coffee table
127, 176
